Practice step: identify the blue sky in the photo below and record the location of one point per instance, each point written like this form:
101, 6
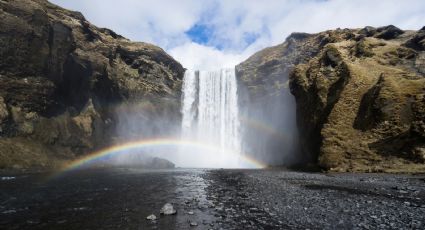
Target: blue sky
211, 34
199, 33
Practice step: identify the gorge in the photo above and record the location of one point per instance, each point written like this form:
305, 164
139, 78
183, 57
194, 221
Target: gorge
323, 131
70, 88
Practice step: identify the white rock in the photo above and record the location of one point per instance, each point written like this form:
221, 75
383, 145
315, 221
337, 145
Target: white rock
151, 217
168, 209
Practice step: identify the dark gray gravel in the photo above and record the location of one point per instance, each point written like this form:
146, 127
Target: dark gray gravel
212, 199
276, 199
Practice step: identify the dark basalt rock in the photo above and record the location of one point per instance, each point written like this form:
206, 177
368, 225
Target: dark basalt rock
417, 42
388, 32
298, 36
368, 31
64, 83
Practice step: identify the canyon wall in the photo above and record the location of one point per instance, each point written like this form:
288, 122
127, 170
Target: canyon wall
345, 99
68, 87
267, 106
360, 96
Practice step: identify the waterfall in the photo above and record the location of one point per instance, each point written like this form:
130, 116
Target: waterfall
211, 114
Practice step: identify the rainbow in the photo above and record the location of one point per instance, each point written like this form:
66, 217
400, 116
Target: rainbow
149, 143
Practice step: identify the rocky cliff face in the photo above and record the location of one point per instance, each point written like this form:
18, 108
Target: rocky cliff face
68, 87
359, 95
266, 99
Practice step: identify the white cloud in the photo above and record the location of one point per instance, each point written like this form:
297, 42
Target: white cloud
156, 21
194, 56
265, 22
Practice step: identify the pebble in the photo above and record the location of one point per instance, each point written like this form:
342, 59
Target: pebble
9, 211
193, 224
8, 178
151, 217
168, 209
253, 210
33, 221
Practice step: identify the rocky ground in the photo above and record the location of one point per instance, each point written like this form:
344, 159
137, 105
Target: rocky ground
212, 199
275, 199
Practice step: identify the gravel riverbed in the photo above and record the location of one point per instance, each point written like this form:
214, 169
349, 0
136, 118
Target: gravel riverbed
211, 199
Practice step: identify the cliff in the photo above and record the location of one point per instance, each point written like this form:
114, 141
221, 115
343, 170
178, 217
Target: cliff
68, 87
266, 98
360, 95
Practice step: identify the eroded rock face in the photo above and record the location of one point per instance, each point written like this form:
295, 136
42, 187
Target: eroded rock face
359, 96
267, 105
64, 83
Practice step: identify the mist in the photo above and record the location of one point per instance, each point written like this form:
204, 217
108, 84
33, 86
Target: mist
144, 121
214, 124
269, 127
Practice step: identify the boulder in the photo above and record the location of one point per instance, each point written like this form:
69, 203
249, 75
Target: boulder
151, 217
168, 209
388, 32
417, 41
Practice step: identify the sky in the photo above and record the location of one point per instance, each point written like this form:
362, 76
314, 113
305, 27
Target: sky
213, 34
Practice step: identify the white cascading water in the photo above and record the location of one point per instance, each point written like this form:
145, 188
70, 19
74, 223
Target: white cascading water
211, 117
